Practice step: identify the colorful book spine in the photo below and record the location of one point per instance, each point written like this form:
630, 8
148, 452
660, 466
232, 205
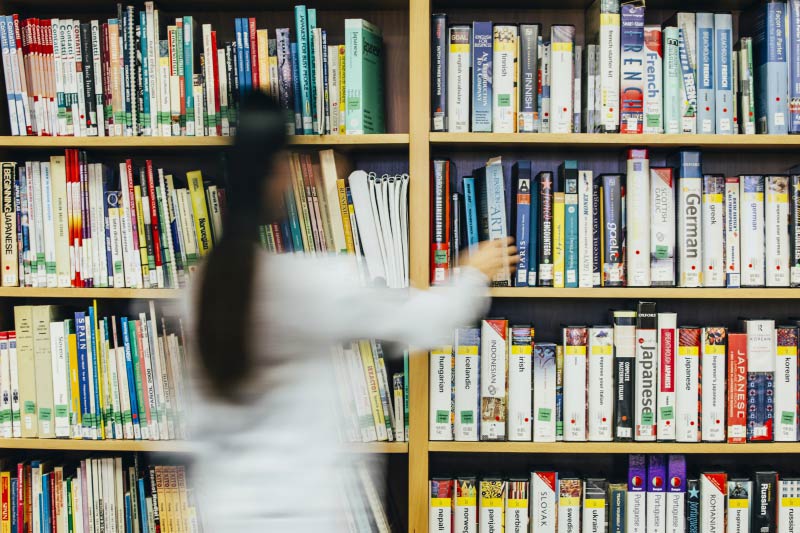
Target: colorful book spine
304, 53
440, 514
575, 386
740, 495
654, 96
737, 388
558, 239
794, 236
482, 58
732, 232
465, 506
636, 505
656, 493
760, 379
688, 59
545, 181
689, 219
611, 233
712, 384
676, 494
713, 490
440, 222
491, 504
633, 66
645, 385
586, 213
667, 338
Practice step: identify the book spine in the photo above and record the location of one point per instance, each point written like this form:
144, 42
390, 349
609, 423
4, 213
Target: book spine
545, 180
528, 116
482, 57
558, 239
612, 238
712, 420
632, 84
516, 506
624, 360
544, 392
687, 378
793, 57
334, 78
441, 416
723, 73
575, 385
458, 80
673, 82
706, 106
713, 231
523, 211
577, 88
637, 200
646, 384
585, 229
600, 383
746, 82
491, 504
667, 338
771, 69
519, 383
713, 489
732, 232
794, 237
777, 230
497, 220
785, 392
761, 363
571, 248
569, 503
752, 231
440, 510
285, 83
656, 493
591, 122
737, 388
465, 506
654, 96
788, 504
609, 63
504, 79
636, 504
494, 350
439, 72
440, 223
662, 227
562, 43
534, 235
597, 235
9, 260
690, 227
545, 84
467, 370
686, 49
301, 27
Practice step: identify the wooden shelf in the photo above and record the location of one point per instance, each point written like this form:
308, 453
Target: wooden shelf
196, 143
377, 447
648, 292
122, 294
596, 141
167, 446
614, 447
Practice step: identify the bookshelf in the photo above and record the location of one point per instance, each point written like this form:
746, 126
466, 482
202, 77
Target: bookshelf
406, 27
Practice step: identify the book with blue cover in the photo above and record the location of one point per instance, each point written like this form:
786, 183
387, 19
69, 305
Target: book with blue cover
521, 181
793, 47
304, 69
470, 211
771, 69
481, 76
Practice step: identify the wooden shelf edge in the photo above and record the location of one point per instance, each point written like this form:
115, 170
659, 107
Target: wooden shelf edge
648, 292
97, 445
732, 142
579, 448
121, 294
103, 143
377, 447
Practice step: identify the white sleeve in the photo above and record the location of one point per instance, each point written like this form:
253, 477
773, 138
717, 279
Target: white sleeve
340, 309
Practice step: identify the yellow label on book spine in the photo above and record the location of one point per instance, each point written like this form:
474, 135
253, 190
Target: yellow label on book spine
492, 502
517, 504
594, 503
787, 350
201, 221
738, 504
440, 502
570, 501
558, 239
714, 349
688, 350
576, 350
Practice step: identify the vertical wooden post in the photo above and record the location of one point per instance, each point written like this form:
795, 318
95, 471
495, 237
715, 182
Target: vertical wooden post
419, 157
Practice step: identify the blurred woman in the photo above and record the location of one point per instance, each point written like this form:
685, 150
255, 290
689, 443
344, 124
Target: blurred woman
263, 326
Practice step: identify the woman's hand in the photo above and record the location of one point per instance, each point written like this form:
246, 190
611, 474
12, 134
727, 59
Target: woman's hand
492, 257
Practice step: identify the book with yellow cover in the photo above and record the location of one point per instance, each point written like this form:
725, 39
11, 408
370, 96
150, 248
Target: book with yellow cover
558, 239
201, 220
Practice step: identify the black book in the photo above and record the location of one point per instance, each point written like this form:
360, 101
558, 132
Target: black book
438, 72
765, 503
624, 359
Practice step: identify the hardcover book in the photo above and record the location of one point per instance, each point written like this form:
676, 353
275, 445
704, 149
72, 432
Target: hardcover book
785, 392
645, 389
504, 68
654, 95
713, 232
624, 360
494, 350
724, 74
544, 392
776, 213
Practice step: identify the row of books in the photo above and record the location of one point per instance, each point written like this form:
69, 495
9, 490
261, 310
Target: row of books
96, 495
654, 226
643, 378
366, 506
372, 407
332, 208
132, 75
82, 376
68, 222
659, 495
684, 76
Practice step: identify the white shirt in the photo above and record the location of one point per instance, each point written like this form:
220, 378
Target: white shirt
277, 464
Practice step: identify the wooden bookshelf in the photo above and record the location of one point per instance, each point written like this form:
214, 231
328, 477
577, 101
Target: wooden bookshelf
165, 446
115, 294
597, 141
672, 293
344, 142
614, 447
378, 447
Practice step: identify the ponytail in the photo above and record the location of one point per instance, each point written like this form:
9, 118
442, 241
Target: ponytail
226, 289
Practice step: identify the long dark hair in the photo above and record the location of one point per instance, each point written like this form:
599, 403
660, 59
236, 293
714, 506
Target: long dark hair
226, 290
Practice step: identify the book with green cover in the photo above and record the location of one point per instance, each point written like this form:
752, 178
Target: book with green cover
363, 77
311, 14
138, 378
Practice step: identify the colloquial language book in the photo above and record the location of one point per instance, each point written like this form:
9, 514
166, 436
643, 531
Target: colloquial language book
776, 230
712, 383
504, 69
656, 493
662, 227
687, 379
690, 228
467, 371
441, 393
624, 361
494, 351
574, 411
713, 231
760, 379
440, 512
733, 205
600, 405
562, 42
544, 501
465, 508
676, 494
706, 106
645, 388
724, 76
520, 361
713, 489
516, 506
637, 202
785, 393
636, 505
667, 357
491, 505
544, 392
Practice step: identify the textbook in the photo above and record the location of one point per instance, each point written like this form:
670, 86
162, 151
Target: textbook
603, 29
466, 379
504, 66
575, 383
706, 104
654, 94
494, 350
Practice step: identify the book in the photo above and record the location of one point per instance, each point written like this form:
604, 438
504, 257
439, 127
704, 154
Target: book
656, 492
458, 79
672, 80
611, 235
760, 379
482, 63
576, 340
528, 64
632, 84
776, 238
785, 385
690, 228
504, 65
713, 490
494, 350
687, 377
662, 227
654, 94
645, 386
624, 361
713, 231
600, 377
562, 42
520, 372
667, 338
440, 515
603, 29
732, 232
751, 194
439, 80
706, 104
544, 392
723, 74
713, 377
364, 77
637, 201
466, 379
441, 393
636, 504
